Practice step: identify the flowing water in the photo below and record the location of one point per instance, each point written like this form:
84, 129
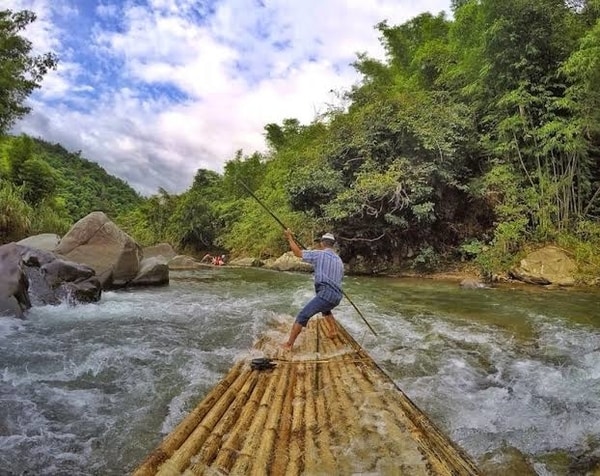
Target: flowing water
90, 390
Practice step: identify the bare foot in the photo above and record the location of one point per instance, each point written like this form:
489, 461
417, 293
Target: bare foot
286, 346
330, 327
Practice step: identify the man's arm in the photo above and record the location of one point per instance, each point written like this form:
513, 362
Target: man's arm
293, 245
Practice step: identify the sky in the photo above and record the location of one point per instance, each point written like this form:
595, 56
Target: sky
153, 90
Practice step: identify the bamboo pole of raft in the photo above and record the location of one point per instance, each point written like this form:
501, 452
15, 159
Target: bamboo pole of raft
211, 447
181, 458
366, 398
253, 428
232, 445
182, 431
374, 408
327, 429
319, 434
281, 456
295, 449
236, 412
360, 444
311, 452
254, 434
265, 452
341, 417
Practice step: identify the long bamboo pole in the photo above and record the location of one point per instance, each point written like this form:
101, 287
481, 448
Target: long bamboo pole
259, 201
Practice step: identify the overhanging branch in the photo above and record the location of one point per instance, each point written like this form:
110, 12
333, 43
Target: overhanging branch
363, 239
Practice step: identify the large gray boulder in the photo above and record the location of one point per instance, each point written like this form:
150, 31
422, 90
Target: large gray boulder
246, 262
98, 243
548, 265
289, 262
184, 262
45, 241
59, 271
14, 297
154, 271
88, 290
164, 250
53, 280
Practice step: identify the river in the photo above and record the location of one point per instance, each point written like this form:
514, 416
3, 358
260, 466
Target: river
91, 389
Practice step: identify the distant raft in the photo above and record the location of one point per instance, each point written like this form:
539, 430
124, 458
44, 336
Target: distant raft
324, 409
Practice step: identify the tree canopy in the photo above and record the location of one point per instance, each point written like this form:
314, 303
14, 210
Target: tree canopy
21, 72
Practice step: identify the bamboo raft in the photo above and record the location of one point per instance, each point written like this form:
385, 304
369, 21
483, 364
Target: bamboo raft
325, 409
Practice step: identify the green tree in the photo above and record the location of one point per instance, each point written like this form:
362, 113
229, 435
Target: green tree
583, 100
196, 223
50, 216
20, 71
249, 170
29, 170
18, 151
39, 180
278, 136
527, 122
401, 176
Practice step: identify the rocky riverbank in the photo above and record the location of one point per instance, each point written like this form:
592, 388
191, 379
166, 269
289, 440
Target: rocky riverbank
105, 257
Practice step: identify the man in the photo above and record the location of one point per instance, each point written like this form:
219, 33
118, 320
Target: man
329, 271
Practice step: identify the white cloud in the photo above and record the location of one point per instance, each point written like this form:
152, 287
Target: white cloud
42, 33
107, 10
239, 69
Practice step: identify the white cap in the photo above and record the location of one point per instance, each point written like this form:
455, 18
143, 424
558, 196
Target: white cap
328, 236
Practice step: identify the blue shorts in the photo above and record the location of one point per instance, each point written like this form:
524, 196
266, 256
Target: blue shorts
312, 307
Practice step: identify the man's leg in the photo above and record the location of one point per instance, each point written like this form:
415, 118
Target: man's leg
330, 324
295, 332
312, 307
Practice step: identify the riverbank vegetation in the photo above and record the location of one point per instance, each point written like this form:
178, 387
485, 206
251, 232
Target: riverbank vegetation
45, 189
476, 139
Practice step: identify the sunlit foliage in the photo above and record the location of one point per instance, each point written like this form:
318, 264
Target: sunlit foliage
473, 138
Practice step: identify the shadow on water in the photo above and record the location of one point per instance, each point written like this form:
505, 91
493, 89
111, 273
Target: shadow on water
92, 389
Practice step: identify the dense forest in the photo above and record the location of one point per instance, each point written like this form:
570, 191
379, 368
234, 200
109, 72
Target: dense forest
476, 139
45, 188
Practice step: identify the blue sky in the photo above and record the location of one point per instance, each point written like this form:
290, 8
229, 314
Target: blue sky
152, 90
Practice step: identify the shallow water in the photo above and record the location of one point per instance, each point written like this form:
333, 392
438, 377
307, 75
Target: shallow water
92, 389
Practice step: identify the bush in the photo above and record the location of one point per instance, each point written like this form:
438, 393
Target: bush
426, 260
583, 243
15, 213
50, 217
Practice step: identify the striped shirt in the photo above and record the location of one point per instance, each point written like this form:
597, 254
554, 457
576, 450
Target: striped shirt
329, 271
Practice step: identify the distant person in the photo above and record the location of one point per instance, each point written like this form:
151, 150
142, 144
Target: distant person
329, 272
